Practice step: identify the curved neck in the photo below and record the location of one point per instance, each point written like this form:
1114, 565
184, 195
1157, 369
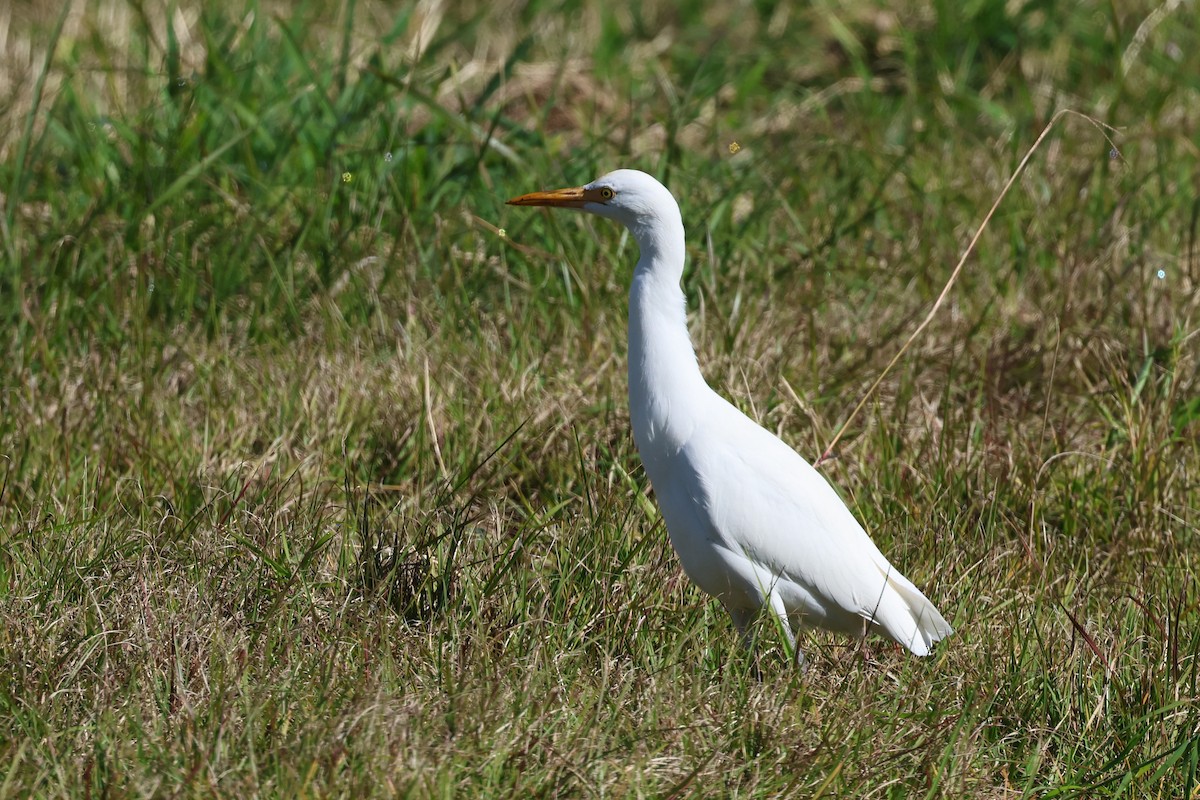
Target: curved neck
665, 383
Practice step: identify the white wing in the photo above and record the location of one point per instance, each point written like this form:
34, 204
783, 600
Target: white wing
765, 502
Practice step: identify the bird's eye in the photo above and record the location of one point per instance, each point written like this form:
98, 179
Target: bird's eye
607, 193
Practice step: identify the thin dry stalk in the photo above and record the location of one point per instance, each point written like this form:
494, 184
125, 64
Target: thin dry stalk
1102, 127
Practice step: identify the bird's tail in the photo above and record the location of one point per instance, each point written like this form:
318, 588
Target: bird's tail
907, 616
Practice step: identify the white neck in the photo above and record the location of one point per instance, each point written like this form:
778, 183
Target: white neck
666, 388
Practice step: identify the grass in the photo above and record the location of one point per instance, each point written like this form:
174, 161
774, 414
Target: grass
316, 483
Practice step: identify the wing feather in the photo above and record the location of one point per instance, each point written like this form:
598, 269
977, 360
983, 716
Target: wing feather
765, 501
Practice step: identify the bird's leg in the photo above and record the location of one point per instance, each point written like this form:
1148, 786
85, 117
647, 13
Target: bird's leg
780, 612
742, 617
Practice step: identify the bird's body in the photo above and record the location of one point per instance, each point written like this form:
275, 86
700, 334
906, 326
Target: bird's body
753, 524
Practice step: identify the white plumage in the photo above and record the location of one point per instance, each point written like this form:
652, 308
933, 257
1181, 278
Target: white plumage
752, 522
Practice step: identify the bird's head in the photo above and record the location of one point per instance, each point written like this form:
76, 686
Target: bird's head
633, 198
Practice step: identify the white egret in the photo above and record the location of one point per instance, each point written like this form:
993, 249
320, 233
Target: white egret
753, 523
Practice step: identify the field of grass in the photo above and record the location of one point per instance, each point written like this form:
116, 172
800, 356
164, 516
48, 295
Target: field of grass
316, 476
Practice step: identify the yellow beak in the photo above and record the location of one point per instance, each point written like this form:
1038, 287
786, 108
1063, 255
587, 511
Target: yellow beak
559, 198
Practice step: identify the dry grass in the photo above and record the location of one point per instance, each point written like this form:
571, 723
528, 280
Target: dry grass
315, 484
